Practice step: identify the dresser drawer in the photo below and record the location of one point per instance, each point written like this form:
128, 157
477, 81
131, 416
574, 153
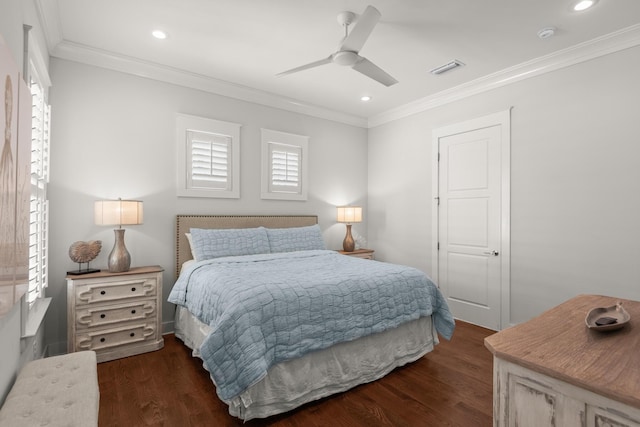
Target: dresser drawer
115, 337
91, 293
101, 315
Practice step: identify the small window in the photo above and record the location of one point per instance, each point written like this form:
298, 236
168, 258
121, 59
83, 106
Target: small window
284, 161
208, 157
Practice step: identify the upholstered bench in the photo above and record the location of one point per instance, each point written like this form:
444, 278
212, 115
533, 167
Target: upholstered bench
55, 391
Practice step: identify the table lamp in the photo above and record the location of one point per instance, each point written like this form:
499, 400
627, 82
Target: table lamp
118, 212
349, 215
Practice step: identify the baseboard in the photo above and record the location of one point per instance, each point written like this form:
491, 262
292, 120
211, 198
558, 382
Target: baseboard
168, 327
56, 349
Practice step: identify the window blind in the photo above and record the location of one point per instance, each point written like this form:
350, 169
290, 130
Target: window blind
285, 168
39, 205
210, 160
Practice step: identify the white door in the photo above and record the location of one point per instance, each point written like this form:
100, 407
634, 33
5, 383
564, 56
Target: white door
471, 246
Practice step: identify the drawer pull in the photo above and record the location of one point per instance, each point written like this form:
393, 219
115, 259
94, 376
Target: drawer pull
85, 319
133, 289
103, 339
103, 292
102, 316
133, 312
132, 334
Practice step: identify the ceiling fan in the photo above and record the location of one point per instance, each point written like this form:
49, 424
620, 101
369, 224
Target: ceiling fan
347, 53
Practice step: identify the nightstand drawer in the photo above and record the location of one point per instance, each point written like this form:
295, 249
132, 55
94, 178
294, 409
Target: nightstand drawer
108, 338
96, 316
123, 289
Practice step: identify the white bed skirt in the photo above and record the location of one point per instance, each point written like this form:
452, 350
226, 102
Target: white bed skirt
321, 373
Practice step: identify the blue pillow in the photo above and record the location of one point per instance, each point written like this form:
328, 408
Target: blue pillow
295, 239
216, 243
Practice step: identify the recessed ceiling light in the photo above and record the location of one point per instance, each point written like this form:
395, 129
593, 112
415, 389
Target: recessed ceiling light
365, 98
159, 34
581, 5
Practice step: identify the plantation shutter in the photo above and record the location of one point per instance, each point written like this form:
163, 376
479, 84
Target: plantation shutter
285, 168
39, 205
210, 160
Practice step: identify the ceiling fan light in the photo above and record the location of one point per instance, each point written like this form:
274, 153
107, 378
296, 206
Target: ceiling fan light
345, 57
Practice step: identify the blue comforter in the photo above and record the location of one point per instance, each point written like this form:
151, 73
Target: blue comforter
264, 309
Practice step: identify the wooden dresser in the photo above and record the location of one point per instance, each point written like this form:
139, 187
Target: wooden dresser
115, 314
554, 371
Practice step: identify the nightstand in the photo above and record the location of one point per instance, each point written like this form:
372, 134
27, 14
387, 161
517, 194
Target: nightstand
115, 314
360, 253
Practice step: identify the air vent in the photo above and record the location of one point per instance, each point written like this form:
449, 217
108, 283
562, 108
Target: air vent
446, 67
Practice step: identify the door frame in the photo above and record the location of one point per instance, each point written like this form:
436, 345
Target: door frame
502, 119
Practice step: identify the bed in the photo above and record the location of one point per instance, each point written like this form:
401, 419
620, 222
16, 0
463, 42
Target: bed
280, 321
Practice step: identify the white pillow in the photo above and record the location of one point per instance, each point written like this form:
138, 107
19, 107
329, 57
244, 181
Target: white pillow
193, 254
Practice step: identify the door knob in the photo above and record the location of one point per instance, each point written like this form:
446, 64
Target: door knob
494, 253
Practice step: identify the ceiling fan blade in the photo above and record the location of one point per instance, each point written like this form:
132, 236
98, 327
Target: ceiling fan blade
362, 30
370, 69
327, 60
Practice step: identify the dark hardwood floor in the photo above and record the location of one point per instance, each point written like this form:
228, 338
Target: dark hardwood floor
452, 386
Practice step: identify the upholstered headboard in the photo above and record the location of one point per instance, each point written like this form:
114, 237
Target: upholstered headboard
185, 222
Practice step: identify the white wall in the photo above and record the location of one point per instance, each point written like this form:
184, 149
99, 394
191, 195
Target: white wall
575, 182
113, 135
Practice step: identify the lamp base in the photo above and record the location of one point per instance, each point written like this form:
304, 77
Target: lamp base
348, 244
119, 258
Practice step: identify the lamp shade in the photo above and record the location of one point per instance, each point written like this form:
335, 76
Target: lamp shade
118, 212
349, 214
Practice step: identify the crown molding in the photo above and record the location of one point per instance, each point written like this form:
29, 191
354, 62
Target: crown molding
130, 65
609, 43
49, 17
